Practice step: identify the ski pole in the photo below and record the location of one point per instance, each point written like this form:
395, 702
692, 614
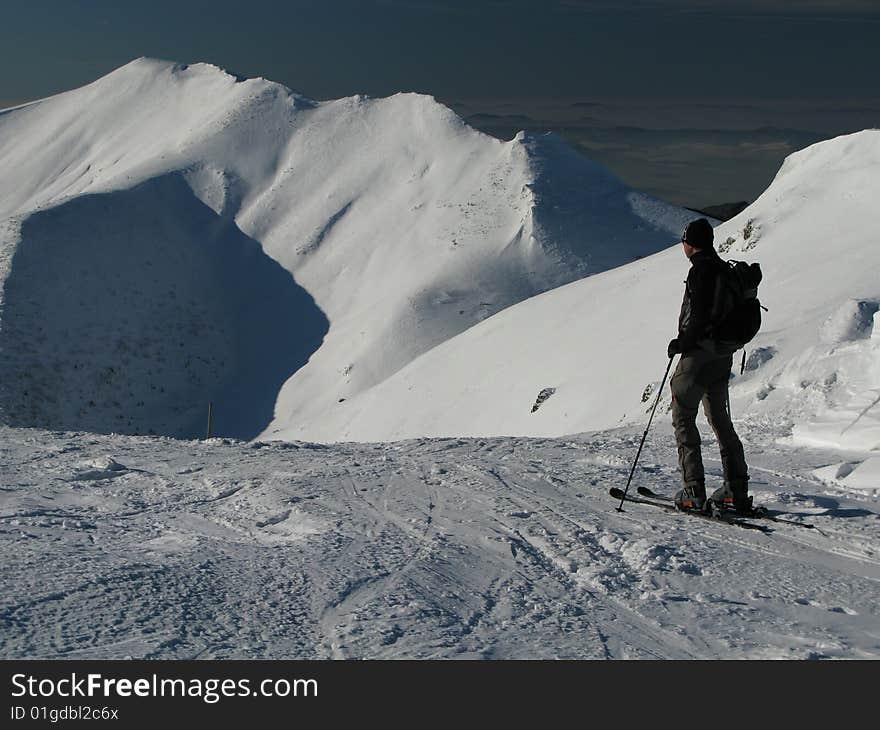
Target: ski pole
645, 435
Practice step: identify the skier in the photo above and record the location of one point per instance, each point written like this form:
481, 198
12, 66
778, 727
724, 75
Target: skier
701, 375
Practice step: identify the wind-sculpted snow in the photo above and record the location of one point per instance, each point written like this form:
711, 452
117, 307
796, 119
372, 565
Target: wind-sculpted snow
144, 547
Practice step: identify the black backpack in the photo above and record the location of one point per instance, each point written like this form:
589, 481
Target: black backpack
736, 312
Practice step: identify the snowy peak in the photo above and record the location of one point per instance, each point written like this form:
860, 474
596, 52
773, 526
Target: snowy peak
142, 73
145, 119
583, 213
841, 153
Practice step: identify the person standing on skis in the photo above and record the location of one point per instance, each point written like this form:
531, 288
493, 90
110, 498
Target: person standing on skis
702, 375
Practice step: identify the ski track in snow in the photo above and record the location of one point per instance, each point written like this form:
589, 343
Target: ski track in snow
147, 547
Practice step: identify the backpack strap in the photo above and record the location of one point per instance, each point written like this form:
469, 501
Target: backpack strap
719, 299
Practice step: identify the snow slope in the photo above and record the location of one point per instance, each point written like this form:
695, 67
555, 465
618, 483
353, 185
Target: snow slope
505, 548
229, 240
600, 343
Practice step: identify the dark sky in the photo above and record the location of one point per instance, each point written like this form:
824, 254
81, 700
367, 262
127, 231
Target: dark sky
527, 58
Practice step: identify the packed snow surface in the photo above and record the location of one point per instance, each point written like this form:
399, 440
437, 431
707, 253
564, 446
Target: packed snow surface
147, 547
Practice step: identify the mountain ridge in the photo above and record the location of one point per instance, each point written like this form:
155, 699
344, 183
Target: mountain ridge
405, 225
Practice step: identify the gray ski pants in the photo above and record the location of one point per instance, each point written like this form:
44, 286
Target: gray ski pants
701, 376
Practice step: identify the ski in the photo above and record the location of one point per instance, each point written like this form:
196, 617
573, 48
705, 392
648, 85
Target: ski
761, 513
726, 518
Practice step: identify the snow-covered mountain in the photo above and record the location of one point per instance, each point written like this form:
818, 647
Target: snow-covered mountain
373, 269
600, 342
172, 235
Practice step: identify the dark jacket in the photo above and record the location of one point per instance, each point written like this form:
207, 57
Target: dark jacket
702, 284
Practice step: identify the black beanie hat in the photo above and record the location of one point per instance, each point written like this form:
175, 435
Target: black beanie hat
698, 234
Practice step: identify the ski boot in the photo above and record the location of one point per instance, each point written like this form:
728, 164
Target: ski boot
691, 498
733, 495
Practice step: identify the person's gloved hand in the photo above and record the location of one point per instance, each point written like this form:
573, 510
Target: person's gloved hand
673, 349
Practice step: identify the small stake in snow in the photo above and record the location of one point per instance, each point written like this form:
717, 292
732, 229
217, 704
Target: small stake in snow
645, 435
210, 419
